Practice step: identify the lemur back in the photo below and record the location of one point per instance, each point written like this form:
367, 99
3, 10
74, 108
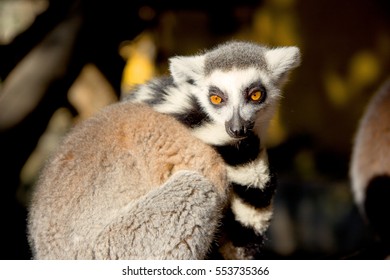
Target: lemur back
226, 96
370, 164
104, 192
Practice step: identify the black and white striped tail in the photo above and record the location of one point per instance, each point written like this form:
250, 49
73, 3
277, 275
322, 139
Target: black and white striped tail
253, 187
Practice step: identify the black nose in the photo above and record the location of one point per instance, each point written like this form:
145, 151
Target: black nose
237, 127
236, 131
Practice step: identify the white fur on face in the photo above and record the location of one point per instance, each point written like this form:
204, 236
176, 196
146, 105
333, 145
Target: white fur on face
232, 83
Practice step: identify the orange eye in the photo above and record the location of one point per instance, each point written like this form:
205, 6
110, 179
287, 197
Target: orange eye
256, 96
215, 99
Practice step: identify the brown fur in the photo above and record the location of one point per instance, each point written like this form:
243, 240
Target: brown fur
128, 183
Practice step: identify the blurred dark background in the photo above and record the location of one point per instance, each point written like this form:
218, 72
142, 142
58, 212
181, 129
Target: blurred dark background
61, 61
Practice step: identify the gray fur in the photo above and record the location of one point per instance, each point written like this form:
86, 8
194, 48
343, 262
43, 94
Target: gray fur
235, 54
275, 62
177, 221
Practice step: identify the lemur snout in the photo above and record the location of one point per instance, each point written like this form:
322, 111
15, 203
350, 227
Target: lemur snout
237, 127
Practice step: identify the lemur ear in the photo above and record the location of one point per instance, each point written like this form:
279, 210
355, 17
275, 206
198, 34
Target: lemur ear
281, 60
185, 68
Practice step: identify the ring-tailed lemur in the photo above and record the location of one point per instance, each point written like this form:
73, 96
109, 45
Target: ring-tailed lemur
227, 96
370, 165
132, 183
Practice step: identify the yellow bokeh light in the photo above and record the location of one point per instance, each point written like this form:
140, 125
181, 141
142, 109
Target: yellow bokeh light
336, 89
364, 69
139, 66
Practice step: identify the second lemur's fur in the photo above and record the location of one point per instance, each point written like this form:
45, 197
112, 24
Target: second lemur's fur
227, 96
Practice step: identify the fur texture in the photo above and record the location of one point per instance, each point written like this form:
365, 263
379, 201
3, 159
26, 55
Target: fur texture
121, 187
134, 183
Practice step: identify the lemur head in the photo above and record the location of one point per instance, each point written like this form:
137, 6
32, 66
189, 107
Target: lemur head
238, 84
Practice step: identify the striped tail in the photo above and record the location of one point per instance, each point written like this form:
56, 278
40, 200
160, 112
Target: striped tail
253, 187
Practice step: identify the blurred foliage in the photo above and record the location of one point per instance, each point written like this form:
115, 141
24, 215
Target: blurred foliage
16, 16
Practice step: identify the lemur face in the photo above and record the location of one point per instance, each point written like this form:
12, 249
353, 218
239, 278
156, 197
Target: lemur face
238, 86
235, 99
